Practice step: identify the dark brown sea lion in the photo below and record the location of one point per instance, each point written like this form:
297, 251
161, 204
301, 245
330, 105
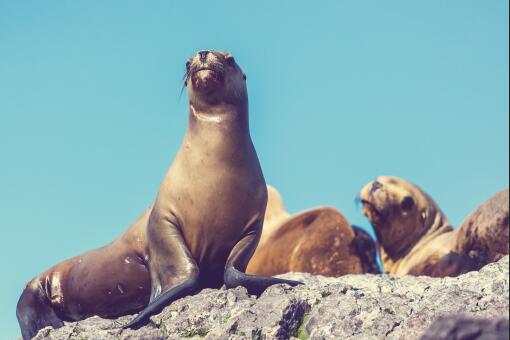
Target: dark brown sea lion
318, 241
109, 281
483, 236
367, 250
200, 232
414, 236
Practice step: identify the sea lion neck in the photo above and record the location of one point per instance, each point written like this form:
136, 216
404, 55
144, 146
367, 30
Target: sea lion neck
403, 247
228, 116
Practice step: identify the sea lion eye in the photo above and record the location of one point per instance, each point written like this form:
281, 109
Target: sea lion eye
188, 64
244, 76
407, 203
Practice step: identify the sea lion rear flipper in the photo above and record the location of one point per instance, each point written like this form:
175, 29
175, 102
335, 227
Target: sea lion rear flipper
174, 272
34, 312
236, 265
452, 265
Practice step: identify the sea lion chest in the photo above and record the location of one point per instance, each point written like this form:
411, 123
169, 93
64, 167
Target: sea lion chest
216, 190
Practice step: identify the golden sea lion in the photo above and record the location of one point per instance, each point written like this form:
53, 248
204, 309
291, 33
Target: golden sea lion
318, 241
414, 236
201, 231
274, 216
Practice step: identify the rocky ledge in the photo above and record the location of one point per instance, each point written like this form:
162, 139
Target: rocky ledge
349, 307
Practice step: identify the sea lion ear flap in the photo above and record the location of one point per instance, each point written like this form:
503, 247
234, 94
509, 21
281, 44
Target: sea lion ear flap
244, 76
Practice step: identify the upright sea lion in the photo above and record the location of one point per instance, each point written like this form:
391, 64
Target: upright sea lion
317, 241
201, 231
414, 236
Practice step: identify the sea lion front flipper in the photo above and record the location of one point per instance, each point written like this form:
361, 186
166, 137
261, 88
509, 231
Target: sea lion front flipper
452, 265
236, 265
174, 272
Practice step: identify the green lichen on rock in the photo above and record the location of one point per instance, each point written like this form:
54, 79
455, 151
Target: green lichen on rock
325, 293
300, 331
389, 311
194, 332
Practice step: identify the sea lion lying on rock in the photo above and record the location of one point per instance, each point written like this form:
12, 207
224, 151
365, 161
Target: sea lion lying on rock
483, 236
201, 231
318, 241
414, 236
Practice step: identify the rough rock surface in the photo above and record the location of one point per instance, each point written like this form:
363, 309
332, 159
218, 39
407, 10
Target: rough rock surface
350, 307
461, 327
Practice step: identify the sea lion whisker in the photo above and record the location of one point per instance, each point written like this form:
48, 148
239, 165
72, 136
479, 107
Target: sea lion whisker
184, 81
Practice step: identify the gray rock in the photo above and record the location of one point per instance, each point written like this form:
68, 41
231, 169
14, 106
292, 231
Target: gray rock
461, 327
350, 307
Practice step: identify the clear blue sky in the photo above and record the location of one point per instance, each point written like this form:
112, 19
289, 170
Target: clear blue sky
90, 115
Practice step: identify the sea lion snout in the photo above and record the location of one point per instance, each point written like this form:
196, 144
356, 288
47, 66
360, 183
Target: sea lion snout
203, 56
214, 78
206, 71
373, 197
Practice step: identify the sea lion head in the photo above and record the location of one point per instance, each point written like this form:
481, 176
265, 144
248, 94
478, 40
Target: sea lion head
275, 214
214, 78
400, 212
275, 207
